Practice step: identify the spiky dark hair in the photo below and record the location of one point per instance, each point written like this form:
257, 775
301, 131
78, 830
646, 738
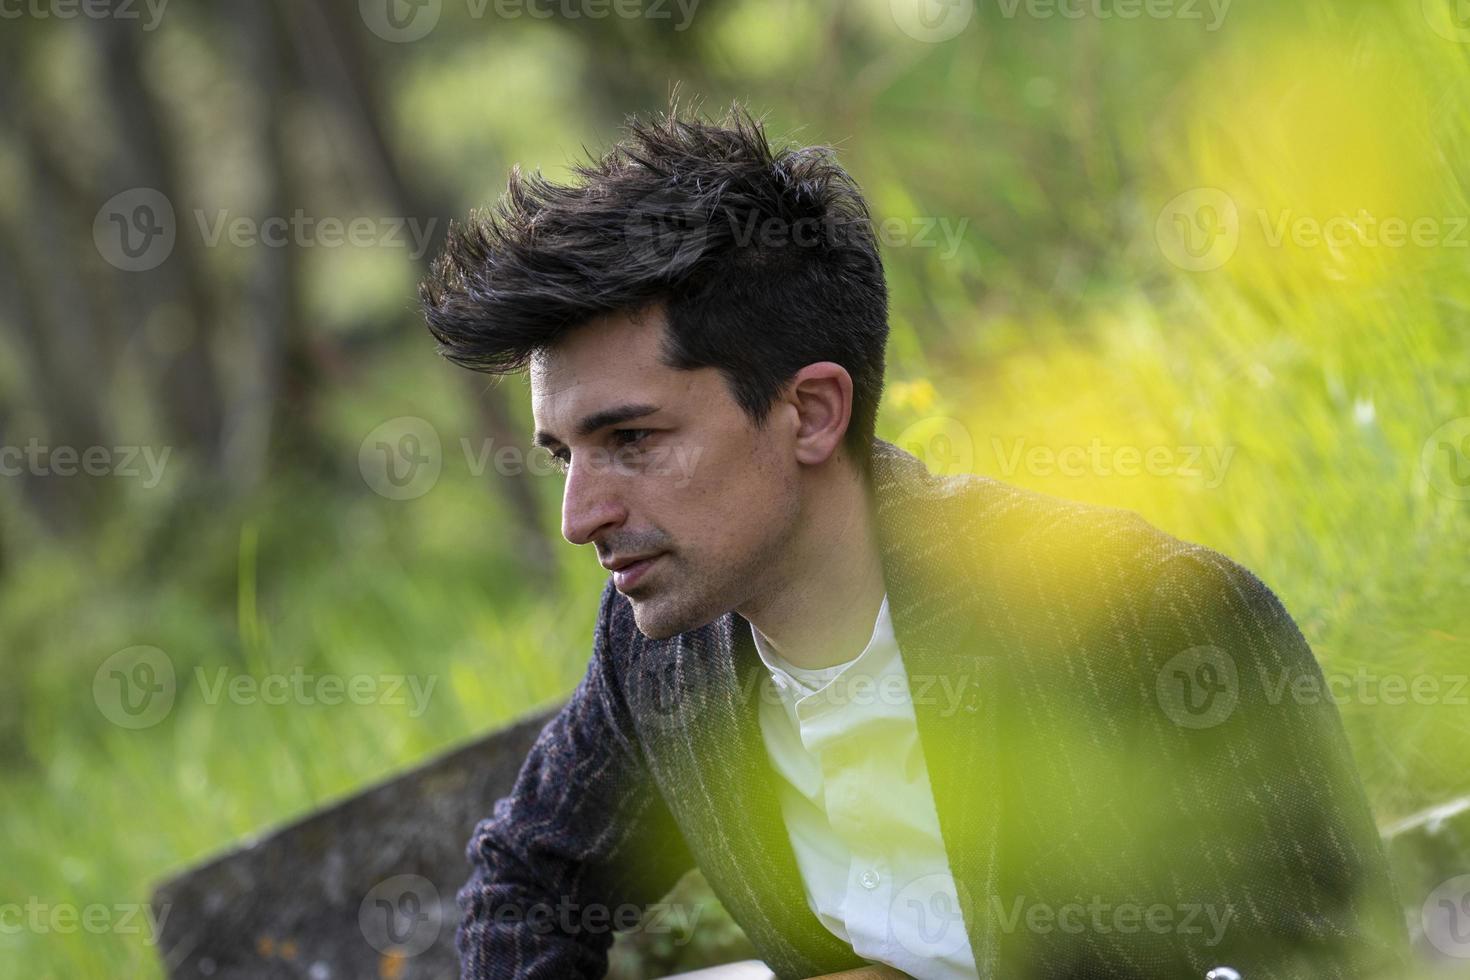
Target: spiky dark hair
763, 262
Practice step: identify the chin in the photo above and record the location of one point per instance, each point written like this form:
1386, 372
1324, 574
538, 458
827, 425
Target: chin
661, 616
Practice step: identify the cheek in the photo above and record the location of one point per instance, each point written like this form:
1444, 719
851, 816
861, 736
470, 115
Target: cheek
721, 500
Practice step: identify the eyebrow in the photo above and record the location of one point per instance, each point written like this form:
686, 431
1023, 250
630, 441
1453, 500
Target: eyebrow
600, 420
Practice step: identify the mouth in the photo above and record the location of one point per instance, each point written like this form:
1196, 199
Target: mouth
627, 576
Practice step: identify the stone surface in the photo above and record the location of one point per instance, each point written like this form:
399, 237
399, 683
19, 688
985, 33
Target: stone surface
364, 888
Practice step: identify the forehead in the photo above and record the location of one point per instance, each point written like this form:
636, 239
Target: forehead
612, 358
611, 347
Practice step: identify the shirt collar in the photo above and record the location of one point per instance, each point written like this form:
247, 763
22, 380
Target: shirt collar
795, 682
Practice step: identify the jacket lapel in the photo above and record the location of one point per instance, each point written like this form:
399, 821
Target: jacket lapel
937, 592
709, 759
718, 777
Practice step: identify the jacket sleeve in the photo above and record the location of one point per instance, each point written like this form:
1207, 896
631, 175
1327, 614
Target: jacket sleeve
579, 848
1267, 822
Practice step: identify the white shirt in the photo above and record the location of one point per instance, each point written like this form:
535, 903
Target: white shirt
855, 796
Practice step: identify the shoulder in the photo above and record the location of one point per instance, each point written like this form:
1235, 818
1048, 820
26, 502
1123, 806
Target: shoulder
1000, 520
1066, 554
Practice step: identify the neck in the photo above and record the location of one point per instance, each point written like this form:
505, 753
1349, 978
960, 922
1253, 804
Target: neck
819, 605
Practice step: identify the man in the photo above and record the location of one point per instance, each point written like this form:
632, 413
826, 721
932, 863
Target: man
940, 724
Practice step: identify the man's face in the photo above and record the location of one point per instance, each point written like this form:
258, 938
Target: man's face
674, 468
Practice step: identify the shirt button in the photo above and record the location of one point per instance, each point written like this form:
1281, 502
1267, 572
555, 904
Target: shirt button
869, 879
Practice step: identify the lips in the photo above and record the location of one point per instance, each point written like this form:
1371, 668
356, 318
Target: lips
627, 576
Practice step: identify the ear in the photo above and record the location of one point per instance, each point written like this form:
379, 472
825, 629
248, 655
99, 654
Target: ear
822, 396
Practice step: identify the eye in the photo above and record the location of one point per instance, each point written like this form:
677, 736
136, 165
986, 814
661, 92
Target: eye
627, 437
560, 460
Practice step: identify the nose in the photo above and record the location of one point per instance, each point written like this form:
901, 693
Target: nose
589, 504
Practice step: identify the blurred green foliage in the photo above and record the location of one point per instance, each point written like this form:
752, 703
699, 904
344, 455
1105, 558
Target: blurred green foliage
1053, 144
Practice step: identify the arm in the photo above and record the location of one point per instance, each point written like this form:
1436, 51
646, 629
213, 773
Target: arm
1269, 822
582, 843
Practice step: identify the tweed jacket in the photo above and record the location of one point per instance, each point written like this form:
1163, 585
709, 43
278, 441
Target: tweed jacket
1126, 757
